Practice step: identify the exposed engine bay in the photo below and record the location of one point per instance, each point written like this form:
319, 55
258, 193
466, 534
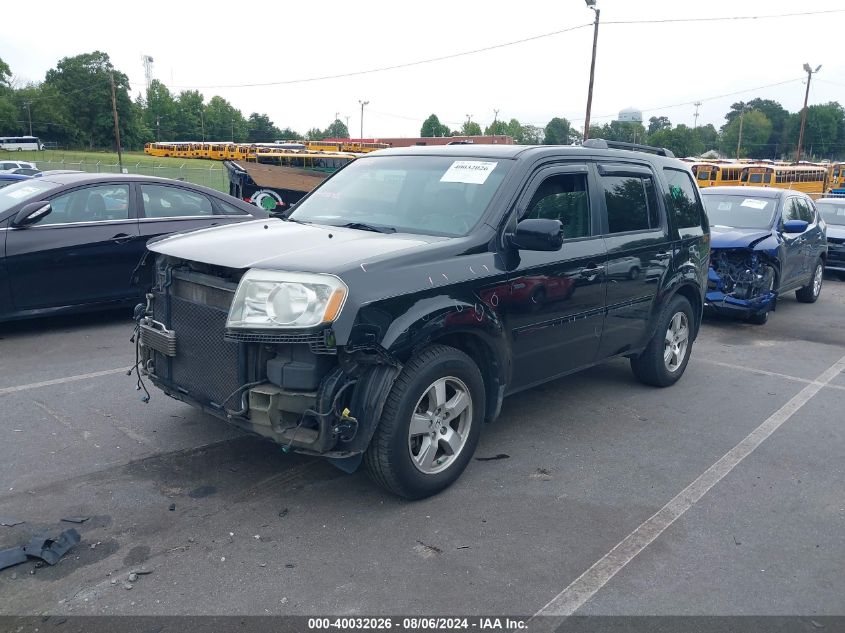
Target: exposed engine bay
743, 274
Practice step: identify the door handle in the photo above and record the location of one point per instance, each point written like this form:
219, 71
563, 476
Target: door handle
122, 238
663, 256
591, 271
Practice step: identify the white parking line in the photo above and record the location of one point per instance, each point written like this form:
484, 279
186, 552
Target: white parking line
599, 574
763, 372
59, 381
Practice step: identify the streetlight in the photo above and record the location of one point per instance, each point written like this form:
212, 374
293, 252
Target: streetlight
810, 72
363, 103
592, 5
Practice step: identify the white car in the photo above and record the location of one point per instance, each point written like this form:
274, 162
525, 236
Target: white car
9, 165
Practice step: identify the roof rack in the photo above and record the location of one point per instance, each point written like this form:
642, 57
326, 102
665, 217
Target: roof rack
600, 143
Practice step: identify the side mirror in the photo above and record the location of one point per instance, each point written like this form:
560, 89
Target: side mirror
795, 226
536, 234
31, 213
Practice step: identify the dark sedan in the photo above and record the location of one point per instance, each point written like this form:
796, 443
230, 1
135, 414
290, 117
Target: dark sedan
70, 242
765, 242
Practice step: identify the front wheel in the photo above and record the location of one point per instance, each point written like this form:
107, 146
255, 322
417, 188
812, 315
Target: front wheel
664, 360
430, 425
810, 293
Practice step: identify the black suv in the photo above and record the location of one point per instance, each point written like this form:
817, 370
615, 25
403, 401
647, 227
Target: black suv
387, 316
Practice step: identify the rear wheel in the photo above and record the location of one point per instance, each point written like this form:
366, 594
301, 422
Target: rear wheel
663, 362
810, 293
430, 425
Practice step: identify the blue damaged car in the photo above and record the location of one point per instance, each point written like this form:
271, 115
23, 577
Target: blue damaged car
765, 242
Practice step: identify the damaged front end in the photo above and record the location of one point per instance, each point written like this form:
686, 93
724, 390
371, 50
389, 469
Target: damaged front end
741, 282
299, 388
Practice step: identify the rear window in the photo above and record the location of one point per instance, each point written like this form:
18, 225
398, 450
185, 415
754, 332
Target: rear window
683, 202
832, 212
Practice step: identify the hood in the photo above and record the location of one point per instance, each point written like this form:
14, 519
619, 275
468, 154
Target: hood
836, 230
278, 245
725, 237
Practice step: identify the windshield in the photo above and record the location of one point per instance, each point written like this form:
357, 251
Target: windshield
832, 212
21, 192
740, 212
431, 195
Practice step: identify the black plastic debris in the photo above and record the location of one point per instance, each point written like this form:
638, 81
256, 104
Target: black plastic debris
490, 459
9, 522
75, 519
51, 550
12, 556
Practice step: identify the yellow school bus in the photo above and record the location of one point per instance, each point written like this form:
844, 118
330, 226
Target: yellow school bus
717, 174
806, 178
836, 179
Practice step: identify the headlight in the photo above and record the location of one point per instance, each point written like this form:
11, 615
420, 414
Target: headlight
277, 299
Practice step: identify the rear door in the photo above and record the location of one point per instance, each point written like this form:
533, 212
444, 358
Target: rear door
639, 252
84, 251
555, 304
169, 208
792, 268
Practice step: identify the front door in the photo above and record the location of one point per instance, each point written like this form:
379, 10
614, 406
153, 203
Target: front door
793, 267
83, 251
556, 301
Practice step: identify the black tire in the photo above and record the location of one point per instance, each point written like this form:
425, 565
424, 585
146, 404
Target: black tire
650, 367
761, 318
388, 458
810, 293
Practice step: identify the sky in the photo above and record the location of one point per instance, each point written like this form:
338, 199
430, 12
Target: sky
660, 68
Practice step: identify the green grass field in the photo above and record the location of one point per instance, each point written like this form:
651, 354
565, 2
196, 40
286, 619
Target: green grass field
108, 158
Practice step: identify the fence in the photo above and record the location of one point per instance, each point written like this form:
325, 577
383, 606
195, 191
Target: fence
213, 177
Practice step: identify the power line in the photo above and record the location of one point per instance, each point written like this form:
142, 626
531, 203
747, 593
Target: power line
507, 44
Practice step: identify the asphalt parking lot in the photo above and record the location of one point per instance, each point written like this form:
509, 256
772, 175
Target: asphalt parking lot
721, 495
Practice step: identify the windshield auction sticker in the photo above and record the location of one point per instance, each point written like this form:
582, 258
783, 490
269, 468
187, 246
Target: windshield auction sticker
754, 204
472, 172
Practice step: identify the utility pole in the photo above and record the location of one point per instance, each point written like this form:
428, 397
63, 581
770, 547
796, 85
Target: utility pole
469, 120
202, 123
158, 128
27, 104
116, 125
592, 5
739, 137
810, 73
363, 103
233, 130
495, 120
347, 124
697, 105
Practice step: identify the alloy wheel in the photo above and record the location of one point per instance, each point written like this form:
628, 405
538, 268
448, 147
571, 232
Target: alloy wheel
440, 425
676, 341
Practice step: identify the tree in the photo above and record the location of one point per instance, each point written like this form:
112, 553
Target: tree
84, 83
5, 73
532, 135
517, 131
756, 129
223, 122
777, 115
681, 140
497, 128
821, 131
160, 111
315, 134
337, 129
289, 135
190, 107
260, 129
433, 127
656, 123
558, 131
471, 128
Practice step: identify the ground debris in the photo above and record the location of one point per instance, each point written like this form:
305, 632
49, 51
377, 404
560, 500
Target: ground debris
9, 522
283, 513
542, 474
75, 519
51, 550
132, 577
141, 571
427, 551
493, 457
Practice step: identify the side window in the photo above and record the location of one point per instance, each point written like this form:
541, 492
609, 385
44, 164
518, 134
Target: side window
806, 211
100, 203
791, 210
683, 201
229, 209
631, 203
161, 201
563, 197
